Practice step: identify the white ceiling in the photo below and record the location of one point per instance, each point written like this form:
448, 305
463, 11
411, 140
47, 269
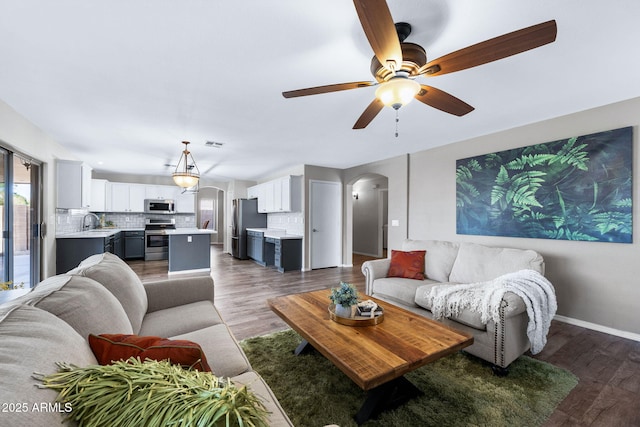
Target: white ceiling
122, 82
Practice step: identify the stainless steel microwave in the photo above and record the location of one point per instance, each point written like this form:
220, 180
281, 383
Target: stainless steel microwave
159, 206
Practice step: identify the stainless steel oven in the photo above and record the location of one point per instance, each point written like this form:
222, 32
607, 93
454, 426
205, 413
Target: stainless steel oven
156, 240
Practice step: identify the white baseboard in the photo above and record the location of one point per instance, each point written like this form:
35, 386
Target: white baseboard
599, 328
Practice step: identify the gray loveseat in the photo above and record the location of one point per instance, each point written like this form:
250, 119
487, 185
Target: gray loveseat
463, 263
103, 295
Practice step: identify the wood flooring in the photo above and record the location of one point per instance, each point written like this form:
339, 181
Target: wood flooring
608, 393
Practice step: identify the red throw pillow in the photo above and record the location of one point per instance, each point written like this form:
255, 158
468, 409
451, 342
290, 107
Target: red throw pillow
408, 265
111, 347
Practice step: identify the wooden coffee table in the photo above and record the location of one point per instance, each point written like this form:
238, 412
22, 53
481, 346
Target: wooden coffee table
374, 357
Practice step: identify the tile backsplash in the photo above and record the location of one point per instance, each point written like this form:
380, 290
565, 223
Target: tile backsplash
293, 222
70, 221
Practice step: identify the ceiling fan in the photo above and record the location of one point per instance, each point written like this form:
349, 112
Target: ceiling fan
396, 63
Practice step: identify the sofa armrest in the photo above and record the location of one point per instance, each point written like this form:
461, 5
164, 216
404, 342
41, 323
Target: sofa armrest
374, 269
179, 291
513, 304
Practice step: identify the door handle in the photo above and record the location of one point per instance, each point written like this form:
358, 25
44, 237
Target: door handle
314, 230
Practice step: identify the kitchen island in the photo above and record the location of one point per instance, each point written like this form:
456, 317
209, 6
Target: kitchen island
189, 250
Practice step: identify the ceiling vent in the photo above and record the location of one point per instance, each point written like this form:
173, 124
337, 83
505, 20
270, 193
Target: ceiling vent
214, 144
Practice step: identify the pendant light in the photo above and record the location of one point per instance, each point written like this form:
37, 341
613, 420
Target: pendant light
186, 174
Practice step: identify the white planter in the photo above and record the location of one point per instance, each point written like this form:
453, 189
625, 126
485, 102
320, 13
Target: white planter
343, 311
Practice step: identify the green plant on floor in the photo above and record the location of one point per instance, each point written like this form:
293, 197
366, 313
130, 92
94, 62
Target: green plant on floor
345, 295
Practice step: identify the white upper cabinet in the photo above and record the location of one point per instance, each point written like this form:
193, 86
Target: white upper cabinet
161, 191
73, 185
185, 202
127, 197
98, 195
279, 195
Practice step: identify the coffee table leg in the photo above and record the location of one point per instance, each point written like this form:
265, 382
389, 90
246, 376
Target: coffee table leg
302, 347
386, 396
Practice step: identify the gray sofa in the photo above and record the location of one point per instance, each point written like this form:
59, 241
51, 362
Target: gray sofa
103, 295
463, 263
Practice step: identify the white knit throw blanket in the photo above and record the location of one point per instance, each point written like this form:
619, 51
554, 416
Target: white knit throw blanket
485, 298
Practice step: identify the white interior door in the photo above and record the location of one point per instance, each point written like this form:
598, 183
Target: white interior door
326, 224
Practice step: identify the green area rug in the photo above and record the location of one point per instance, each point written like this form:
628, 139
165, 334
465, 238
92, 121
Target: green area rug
459, 390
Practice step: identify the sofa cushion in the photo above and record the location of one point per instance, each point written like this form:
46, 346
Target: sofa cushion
112, 347
224, 355
33, 340
466, 317
83, 303
407, 264
115, 275
478, 263
181, 319
398, 289
439, 258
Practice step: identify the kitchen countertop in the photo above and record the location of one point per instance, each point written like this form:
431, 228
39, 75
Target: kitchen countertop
179, 231
275, 233
106, 232
95, 233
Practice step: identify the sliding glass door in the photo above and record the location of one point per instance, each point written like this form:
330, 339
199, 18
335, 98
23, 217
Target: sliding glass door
20, 196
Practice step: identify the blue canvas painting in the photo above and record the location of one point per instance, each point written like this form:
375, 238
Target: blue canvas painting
578, 188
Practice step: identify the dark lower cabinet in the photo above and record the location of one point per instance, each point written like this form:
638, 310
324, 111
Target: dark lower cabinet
255, 247
133, 244
69, 252
287, 254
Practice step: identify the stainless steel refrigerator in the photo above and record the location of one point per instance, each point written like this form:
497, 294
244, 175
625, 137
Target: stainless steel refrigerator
245, 215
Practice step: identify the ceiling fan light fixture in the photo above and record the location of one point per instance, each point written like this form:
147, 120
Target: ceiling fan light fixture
398, 91
186, 174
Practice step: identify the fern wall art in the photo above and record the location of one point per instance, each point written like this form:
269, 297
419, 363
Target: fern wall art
574, 189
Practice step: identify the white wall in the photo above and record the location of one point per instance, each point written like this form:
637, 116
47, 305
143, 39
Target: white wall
598, 283
19, 134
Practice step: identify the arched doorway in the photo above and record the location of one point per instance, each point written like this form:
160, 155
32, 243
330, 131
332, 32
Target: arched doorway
210, 212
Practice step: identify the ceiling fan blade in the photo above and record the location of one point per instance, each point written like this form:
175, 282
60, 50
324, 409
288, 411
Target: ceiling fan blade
369, 114
325, 89
493, 49
380, 30
443, 101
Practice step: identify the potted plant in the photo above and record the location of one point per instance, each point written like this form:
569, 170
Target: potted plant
344, 297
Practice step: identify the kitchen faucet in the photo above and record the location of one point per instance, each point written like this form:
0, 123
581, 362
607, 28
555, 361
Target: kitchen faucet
90, 215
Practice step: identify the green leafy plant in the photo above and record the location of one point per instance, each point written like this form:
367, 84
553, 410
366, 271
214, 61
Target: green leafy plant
155, 392
345, 295
8, 286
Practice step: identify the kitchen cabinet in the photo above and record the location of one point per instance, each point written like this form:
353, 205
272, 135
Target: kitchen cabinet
279, 195
98, 195
253, 192
161, 191
185, 202
127, 197
71, 251
255, 246
133, 244
287, 254
73, 184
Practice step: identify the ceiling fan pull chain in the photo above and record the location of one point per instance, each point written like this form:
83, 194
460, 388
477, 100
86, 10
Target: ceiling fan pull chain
397, 120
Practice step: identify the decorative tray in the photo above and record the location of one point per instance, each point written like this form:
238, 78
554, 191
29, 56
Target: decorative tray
356, 320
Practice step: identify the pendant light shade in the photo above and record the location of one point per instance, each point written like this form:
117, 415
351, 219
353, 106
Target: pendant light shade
398, 91
186, 174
